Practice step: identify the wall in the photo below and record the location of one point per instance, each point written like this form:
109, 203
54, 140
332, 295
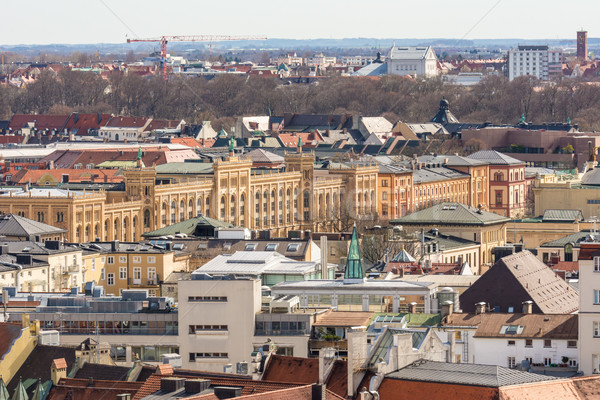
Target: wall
19, 351
495, 351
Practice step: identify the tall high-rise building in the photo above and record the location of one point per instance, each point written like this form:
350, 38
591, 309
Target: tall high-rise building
536, 61
582, 50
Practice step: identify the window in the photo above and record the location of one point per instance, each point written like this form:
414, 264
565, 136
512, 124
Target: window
194, 356
528, 343
511, 362
122, 272
151, 259
596, 329
511, 343
204, 299
596, 296
458, 336
384, 183
596, 264
122, 259
547, 361
271, 247
293, 247
250, 247
151, 273
102, 274
110, 260
547, 343
110, 279
572, 344
137, 259
137, 273
209, 328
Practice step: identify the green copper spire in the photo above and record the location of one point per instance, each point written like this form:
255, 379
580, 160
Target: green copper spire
569, 120
522, 120
38, 393
3, 390
139, 157
231, 144
354, 269
20, 392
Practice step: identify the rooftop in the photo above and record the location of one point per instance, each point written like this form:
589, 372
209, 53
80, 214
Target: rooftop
494, 157
451, 214
465, 374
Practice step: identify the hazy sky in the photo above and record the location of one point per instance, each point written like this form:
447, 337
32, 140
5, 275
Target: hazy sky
109, 21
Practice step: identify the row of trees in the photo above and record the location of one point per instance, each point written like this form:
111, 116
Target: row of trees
227, 96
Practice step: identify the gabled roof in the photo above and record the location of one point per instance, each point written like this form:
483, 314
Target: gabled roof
517, 278
373, 69
562, 216
451, 214
190, 227
255, 263
291, 369
49, 122
343, 319
494, 157
264, 156
15, 225
574, 239
403, 257
465, 374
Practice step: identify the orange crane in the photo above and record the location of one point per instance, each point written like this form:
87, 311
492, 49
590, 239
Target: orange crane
163, 40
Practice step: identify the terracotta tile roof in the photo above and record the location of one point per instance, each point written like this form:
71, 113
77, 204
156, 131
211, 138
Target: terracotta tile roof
567, 266
72, 388
164, 369
81, 124
162, 124
588, 387
75, 175
343, 318
291, 369
337, 381
248, 386
49, 122
390, 389
187, 141
560, 390
59, 363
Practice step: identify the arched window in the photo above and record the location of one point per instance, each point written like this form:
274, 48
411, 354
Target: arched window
222, 209
146, 218
199, 203
242, 209
181, 210
288, 205
295, 203
191, 208
257, 209
87, 233
265, 200
173, 212
106, 230
207, 208
273, 210
306, 204
163, 213
232, 209
96, 231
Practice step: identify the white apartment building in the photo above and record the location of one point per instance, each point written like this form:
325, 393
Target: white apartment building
420, 61
589, 307
221, 322
536, 61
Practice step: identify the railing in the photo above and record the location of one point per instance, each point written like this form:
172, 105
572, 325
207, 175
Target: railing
322, 344
144, 282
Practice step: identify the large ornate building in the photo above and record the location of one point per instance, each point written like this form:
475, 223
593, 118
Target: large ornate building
298, 197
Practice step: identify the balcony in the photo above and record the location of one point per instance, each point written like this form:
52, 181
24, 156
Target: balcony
315, 345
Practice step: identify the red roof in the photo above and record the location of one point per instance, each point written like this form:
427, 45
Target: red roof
16, 139
567, 266
49, 122
162, 124
193, 143
84, 122
291, 139
59, 363
291, 369
127, 122
75, 175
85, 389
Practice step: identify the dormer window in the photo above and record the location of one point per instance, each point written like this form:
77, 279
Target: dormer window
250, 247
271, 247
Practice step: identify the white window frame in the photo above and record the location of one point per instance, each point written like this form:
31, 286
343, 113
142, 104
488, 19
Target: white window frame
137, 259
596, 264
102, 274
110, 259
151, 273
596, 296
122, 273
596, 329
137, 273
110, 277
151, 259
512, 362
122, 259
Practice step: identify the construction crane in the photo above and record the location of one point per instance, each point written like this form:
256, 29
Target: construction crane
163, 40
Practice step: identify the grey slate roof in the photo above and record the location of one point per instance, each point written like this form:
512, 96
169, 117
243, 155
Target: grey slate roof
562, 216
189, 226
373, 69
15, 225
436, 174
495, 158
263, 156
450, 160
574, 238
591, 177
466, 374
451, 213
185, 168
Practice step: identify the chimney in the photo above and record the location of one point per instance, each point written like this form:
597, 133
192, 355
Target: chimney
452, 347
196, 385
58, 370
528, 307
224, 392
412, 308
324, 260
447, 308
357, 354
114, 245
480, 307
319, 392
51, 164
171, 384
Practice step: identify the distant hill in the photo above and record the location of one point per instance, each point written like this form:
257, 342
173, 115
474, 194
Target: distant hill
281, 43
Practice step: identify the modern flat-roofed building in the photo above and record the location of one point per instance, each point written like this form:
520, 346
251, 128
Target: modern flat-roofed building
537, 61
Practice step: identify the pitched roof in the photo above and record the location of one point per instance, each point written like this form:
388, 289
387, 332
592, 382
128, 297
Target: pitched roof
562, 216
291, 369
517, 278
465, 374
255, 263
495, 158
263, 156
42, 121
72, 388
59, 363
343, 318
354, 268
8, 333
451, 213
15, 225
574, 238
191, 227
102, 371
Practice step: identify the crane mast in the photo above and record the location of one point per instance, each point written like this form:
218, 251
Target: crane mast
163, 40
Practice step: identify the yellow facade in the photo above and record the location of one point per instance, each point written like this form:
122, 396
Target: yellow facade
20, 349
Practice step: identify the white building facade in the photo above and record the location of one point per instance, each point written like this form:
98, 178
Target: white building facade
589, 308
419, 61
537, 61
